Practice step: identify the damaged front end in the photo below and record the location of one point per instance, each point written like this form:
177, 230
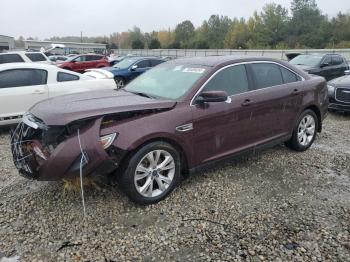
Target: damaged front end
52, 153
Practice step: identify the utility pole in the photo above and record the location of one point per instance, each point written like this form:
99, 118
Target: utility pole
81, 36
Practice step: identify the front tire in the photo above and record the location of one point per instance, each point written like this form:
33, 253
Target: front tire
151, 174
305, 131
120, 82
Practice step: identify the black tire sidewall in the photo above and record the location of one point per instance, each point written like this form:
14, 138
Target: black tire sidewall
127, 176
295, 141
118, 79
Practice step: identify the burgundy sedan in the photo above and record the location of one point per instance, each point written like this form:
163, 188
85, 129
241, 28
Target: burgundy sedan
174, 119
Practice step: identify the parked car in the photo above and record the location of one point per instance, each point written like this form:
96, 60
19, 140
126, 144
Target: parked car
58, 58
116, 59
24, 84
131, 67
176, 118
329, 66
339, 93
24, 56
80, 63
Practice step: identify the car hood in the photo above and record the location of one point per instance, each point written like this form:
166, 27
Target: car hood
114, 70
343, 81
68, 108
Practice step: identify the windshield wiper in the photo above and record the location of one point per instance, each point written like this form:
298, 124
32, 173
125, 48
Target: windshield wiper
141, 94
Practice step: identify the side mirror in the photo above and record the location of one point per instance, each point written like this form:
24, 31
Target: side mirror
133, 68
73, 61
211, 96
347, 72
324, 65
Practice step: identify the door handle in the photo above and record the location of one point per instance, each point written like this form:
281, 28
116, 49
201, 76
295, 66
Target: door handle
247, 102
38, 92
295, 92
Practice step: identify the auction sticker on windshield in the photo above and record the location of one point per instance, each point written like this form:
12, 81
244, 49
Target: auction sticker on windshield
194, 70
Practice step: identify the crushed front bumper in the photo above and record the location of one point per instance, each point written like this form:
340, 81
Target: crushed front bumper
35, 160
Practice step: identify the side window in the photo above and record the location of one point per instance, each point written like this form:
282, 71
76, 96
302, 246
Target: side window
143, 64
80, 59
156, 62
36, 57
10, 58
98, 57
233, 80
327, 60
63, 77
266, 75
289, 76
22, 77
337, 60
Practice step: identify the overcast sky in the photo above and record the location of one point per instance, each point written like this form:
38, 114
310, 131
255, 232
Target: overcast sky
46, 18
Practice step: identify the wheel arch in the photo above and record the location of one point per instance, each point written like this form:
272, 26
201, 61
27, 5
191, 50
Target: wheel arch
172, 142
317, 111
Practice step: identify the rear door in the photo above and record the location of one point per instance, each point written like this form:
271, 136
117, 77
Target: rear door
20, 89
339, 66
273, 101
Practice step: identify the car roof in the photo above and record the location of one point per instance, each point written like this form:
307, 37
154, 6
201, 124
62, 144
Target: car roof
7, 66
212, 61
21, 52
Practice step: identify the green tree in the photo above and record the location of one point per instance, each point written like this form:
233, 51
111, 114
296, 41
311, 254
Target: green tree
136, 39
340, 29
154, 44
215, 30
308, 26
137, 44
274, 20
184, 33
238, 36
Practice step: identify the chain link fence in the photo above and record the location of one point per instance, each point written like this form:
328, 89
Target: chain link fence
278, 54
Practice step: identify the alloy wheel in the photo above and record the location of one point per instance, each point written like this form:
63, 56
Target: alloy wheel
154, 173
306, 130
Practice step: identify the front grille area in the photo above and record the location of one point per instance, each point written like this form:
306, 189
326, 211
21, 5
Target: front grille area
22, 150
343, 95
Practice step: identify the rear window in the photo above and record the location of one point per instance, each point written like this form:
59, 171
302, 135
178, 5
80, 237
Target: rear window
288, 76
10, 58
22, 77
266, 75
156, 62
64, 77
337, 60
36, 57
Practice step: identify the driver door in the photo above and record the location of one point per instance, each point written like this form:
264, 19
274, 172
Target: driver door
223, 128
141, 67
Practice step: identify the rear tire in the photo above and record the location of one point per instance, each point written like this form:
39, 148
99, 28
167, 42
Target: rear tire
304, 132
151, 174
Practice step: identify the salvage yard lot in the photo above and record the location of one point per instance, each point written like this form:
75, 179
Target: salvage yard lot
275, 205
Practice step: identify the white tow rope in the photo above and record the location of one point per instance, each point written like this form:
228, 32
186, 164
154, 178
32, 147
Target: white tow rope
83, 158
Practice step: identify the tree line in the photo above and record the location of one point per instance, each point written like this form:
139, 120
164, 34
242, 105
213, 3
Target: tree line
303, 25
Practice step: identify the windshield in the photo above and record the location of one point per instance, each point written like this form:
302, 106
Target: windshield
308, 60
125, 63
167, 80
71, 58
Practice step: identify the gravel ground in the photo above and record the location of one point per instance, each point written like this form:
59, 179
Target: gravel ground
277, 205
